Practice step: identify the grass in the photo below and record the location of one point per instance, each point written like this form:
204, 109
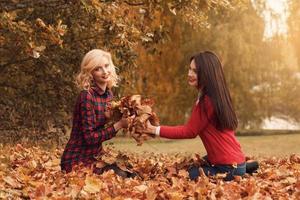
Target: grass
258, 146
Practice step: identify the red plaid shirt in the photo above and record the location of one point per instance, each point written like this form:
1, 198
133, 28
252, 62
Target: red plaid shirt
88, 130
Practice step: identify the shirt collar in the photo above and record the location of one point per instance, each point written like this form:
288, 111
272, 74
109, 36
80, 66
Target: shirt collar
99, 90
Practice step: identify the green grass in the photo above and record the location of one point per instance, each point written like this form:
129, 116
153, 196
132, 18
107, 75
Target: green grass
258, 146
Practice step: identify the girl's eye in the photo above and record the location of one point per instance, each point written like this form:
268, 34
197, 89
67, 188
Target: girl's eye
193, 70
98, 69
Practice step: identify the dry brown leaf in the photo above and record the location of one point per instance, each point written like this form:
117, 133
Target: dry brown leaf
163, 176
136, 106
40, 191
151, 194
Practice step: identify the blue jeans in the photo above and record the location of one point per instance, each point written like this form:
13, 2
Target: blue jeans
212, 170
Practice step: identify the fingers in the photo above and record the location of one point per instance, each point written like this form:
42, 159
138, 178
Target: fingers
131, 119
127, 121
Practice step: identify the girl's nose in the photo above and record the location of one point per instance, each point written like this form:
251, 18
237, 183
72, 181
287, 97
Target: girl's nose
105, 71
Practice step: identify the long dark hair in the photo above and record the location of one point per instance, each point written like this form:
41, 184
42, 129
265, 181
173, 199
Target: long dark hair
211, 80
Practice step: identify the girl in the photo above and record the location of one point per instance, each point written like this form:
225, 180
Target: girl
213, 119
97, 76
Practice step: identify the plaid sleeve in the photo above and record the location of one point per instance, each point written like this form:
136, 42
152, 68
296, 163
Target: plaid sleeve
92, 134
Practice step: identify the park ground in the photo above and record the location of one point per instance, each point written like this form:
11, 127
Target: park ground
30, 171
257, 146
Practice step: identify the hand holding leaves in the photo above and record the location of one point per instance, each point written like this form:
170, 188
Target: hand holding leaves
140, 114
149, 129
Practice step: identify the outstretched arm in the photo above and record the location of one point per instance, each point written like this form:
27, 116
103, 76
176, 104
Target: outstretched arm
197, 122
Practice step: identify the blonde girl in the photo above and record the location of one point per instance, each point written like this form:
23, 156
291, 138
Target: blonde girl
96, 78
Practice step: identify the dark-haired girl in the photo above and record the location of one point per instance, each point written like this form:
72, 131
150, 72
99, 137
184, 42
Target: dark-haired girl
213, 119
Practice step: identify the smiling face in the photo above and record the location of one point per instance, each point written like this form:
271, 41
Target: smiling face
192, 75
102, 72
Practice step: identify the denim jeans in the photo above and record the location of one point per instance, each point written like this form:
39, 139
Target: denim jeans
212, 170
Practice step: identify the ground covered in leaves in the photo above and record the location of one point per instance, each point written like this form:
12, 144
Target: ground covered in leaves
33, 173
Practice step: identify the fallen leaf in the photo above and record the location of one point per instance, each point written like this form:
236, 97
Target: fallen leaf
12, 182
92, 184
141, 188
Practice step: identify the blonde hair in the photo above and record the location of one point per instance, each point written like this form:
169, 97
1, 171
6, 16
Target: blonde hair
89, 62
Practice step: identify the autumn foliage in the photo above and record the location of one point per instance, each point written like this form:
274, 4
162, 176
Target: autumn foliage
42, 44
34, 173
139, 110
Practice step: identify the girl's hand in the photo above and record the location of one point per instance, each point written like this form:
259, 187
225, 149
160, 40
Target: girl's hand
108, 114
108, 111
150, 129
123, 123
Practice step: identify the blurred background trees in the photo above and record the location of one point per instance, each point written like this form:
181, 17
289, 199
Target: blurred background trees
43, 42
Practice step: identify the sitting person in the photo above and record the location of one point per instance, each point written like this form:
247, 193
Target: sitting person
213, 119
97, 76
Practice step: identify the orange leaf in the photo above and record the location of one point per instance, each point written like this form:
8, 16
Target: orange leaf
12, 182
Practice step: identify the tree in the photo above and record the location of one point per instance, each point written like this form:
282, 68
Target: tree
42, 43
294, 26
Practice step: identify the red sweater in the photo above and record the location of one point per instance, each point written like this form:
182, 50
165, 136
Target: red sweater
222, 146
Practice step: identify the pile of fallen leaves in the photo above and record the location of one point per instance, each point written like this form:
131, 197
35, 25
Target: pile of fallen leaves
138, 108
35, 173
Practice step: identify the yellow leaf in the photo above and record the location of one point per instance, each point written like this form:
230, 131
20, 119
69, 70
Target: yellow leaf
33, 164
75, 189
183, 173
176, 196
141, 188
296, 166
290, 180
151, 194
52, 163
92, 184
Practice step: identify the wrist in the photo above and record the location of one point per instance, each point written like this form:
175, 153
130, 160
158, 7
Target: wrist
153, 130
157, 130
